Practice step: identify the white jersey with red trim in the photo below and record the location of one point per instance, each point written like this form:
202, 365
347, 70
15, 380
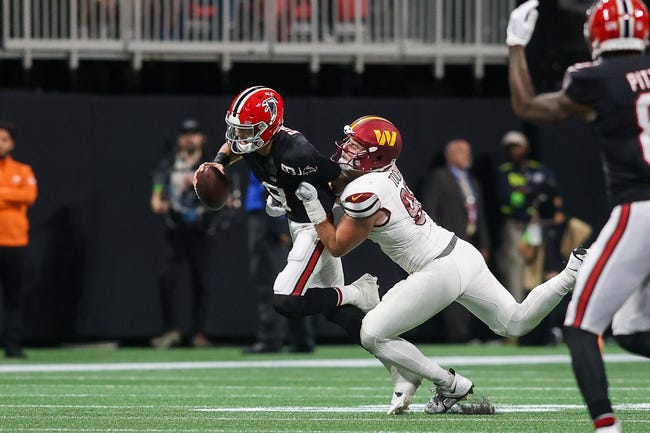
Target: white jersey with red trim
409, 236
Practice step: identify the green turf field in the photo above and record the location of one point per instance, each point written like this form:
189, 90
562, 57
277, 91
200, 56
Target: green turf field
338, 389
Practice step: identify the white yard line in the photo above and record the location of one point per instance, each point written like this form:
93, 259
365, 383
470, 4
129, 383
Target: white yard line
500, 408
304, 363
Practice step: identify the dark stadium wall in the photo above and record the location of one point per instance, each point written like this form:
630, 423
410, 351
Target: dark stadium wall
96, 247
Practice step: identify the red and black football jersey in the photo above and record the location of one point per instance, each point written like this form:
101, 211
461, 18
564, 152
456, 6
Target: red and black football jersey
618, 89
292, 160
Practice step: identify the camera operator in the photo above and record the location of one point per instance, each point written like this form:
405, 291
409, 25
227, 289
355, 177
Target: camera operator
520, 180
549, 238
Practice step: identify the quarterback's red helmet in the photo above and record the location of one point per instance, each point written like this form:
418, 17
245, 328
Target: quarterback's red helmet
380, 140
254, 117
617, 25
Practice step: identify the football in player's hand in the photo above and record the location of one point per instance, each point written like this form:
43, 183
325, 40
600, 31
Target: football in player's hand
212, 187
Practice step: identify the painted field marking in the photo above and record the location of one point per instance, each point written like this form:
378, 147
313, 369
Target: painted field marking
500, 408
303, 363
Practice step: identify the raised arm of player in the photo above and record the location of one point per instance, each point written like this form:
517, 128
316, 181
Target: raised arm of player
543, 108
549, 107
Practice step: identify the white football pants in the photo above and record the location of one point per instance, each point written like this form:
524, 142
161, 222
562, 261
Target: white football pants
309, 264
462, 276
614, 280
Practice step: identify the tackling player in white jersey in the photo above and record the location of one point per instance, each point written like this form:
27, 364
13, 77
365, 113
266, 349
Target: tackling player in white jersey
442, 268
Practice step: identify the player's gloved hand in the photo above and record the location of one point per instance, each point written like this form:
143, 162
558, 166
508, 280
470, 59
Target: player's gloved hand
274, 208
522, 23
306, 191
309, 197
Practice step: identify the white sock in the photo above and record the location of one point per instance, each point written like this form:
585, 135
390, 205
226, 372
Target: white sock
403, 380
348, 294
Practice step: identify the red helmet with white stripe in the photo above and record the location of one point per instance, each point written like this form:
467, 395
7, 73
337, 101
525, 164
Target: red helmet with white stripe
617, 25
254, 117
379, 141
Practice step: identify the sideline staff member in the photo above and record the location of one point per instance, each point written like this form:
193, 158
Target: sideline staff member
17, 192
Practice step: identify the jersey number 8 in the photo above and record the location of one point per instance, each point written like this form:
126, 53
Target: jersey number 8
643, 119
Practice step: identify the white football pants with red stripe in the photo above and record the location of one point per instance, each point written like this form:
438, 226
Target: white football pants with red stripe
309, 264
614, 280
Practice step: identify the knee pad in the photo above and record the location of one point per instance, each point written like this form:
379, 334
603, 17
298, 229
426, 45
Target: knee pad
367, 340
638, 343
289, 306
515, 326
371, 342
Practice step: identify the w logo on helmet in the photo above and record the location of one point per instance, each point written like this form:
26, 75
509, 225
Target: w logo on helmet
385, 137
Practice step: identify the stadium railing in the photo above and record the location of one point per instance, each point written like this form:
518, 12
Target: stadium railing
359, 32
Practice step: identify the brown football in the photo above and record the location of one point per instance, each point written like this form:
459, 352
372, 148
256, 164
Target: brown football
212, 187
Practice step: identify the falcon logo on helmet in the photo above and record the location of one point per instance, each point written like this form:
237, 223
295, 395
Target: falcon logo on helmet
616, 25
371, 143
271, 106
254, 117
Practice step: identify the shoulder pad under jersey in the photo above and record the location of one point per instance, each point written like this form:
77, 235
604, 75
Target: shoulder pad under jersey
360, 205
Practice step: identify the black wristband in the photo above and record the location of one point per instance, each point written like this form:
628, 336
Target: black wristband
222, 158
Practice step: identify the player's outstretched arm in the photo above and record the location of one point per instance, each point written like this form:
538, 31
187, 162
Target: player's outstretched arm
341, 239
346, 235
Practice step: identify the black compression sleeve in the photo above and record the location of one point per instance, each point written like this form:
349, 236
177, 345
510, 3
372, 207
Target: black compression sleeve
222, 158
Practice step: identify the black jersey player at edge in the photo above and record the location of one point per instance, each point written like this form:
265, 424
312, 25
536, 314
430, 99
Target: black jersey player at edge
612, 93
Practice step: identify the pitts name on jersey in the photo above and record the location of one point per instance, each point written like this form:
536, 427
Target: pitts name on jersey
639, 80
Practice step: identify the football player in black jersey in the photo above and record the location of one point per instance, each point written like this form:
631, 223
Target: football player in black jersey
613, 94
281, 158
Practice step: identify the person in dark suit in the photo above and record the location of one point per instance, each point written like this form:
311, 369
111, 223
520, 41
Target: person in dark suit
452, 197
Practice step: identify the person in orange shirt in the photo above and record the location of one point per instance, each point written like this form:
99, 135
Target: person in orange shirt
17, 192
